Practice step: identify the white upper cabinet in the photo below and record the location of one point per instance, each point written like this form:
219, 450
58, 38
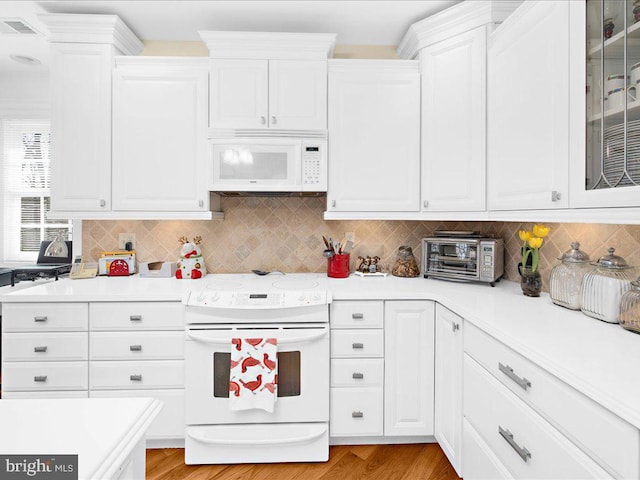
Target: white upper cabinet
279, 94
83, 48
454, 123
528, 109
239, 94
374, 130
268, 81
160, 134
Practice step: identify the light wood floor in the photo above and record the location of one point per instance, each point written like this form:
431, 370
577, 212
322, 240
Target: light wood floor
370, 462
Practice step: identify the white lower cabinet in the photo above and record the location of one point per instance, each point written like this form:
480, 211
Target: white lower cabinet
382, 368
408, 367
478, 461
448, 385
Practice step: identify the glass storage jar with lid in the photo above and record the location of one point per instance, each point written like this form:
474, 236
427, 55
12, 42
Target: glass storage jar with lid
630, 308
602, 287
566, 277
406, 265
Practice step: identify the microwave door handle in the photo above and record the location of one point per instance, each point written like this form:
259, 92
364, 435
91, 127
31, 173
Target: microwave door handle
283, 341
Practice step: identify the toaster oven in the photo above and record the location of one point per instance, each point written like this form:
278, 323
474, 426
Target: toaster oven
474, 259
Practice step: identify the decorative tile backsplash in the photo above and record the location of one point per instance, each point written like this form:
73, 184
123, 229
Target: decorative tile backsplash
286, 234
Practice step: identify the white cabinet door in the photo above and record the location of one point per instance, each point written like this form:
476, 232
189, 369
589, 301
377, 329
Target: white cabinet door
159, 136
374, 131
81, 127
298, 94
239, 94
454, 123
448, 385
528, 109
408, 367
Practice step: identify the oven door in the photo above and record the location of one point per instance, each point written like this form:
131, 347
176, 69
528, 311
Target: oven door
256, 165
303, 374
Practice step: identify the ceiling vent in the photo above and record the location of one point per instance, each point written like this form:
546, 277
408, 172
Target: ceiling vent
16, 26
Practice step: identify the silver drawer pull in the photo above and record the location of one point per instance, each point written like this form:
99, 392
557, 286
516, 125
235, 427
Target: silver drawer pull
357, 414
40, 378
135, 378
357, 376
508, 371
135, 318
135, 348
455, 327
357, 316
40, 349
508, 436
40, 319
357, 345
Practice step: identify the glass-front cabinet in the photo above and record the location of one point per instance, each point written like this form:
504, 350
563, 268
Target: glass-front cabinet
612, 160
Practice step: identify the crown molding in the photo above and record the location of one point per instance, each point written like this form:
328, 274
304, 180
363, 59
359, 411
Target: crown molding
453, 21
347, 65
86, 28
269, 45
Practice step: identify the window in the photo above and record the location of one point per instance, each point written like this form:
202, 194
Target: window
26, 184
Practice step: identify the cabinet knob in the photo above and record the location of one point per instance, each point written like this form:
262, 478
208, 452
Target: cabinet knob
425, 203
135, 348
357, 316
555, 196
273, 119
455, 327
40, 378
135, 318
103, 203
357, 376
357, 414
135, 378
263, 120
357, 346
40, 349
40, 319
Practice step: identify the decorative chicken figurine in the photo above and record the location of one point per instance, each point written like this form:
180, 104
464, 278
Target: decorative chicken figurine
191, 264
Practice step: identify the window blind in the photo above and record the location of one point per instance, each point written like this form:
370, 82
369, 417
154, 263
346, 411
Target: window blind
26, 189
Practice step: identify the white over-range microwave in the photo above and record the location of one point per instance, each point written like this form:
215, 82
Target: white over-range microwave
286, 165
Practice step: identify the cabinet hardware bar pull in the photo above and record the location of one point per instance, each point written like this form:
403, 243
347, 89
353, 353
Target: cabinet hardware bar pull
508, 371
263, 120
40, 319
508, 436
357, 414
40, 349
357, 316
135, 348
455, 327
333, 203
425, 203
40, 378
357, 376
135, 378
357, 345
273, 119
200, 203
135, 318
103, 203
555, 196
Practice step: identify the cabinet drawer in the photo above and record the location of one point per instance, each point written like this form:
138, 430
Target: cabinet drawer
34, 376
526, 444
356, 412
478, 461
365, 372
44, 317
34, 347
614, 443
137, 375
357, 343
357, 314
137, 345
170, 421
136, 316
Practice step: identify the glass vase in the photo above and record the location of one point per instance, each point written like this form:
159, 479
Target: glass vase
530, 282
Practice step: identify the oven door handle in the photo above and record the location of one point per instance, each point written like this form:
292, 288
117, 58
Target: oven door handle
283, 341
269, 441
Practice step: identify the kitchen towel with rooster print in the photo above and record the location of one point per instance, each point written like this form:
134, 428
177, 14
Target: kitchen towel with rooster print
253, 378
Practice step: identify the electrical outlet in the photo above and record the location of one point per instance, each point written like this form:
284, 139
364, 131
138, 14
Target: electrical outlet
123, 238
350, 236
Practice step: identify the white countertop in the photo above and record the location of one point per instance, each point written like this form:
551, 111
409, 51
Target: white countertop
101, 431
601, 360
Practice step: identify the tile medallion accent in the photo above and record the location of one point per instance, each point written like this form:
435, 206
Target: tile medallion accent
286, 234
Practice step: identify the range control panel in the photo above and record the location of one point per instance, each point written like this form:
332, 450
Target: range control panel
255, 300
314, 165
